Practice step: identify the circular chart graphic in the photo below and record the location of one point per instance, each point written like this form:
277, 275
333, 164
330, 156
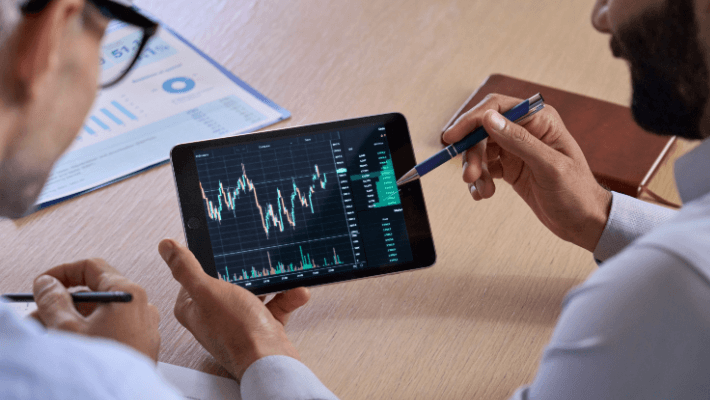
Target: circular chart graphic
178, 85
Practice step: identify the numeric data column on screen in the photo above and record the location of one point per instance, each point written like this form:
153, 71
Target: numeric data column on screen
348, 201
372, 175
384, 234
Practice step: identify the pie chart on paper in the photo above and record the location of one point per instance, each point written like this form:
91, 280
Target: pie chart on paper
178, 85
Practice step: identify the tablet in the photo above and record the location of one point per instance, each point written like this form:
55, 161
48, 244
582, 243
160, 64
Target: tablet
304, 206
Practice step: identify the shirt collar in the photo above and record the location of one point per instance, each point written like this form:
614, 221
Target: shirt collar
691, 173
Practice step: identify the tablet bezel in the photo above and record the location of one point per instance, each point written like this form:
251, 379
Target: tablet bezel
193, 214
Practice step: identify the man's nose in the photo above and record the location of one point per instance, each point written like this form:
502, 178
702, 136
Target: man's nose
600, 16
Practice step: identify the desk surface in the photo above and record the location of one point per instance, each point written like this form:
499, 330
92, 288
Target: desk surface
474, 325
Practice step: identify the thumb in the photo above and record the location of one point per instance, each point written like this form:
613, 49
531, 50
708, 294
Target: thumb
284, 303
55, 306
518, 141
186, 269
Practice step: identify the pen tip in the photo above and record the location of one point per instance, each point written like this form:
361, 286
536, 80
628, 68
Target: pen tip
408, 177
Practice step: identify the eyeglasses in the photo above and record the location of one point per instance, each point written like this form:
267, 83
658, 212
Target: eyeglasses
119, 54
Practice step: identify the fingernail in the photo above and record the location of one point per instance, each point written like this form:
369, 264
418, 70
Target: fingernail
471, 188
479, 185
166, 249
497, 121
44, 281
465, 165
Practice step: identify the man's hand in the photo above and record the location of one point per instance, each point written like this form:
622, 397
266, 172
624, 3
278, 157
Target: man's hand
543, 163
134, 324
235, 326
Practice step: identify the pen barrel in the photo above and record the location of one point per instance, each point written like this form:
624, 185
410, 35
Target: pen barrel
470, 140
434, 161
102, 297
24, 297
479, 133
78, 297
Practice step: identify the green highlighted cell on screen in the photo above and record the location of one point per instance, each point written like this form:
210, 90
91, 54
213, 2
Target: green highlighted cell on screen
385, 184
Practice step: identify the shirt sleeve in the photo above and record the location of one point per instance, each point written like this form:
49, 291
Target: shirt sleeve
634, 330
282, 377
629, 219
36, 364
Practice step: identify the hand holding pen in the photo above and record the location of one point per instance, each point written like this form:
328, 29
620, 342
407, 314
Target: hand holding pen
542, 162
519, 113
133, 323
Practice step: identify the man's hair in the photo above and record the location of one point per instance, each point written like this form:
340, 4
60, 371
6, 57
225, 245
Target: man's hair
9, 16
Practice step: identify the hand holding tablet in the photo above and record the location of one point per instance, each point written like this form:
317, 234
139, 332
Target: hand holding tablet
304, 206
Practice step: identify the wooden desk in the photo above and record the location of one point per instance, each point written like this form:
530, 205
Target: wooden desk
474, 325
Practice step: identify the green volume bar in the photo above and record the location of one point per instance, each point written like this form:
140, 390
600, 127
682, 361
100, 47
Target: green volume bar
306, 264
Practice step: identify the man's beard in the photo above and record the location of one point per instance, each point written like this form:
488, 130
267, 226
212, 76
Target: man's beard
669, 74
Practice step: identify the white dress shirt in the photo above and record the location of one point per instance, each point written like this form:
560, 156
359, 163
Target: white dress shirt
36, 365
639, 327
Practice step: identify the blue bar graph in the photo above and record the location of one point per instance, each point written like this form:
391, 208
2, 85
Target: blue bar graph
123, 110
99, 122
89, 130
113, 117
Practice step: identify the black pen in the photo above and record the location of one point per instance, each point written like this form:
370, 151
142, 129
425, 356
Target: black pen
79, 297
516, 114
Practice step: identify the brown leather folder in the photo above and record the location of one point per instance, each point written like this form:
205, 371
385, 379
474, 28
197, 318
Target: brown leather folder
622, 156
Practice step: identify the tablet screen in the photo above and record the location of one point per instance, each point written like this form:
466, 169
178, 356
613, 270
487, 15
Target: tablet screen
302, 207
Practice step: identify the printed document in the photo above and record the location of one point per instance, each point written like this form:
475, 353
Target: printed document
196, 385
175, 94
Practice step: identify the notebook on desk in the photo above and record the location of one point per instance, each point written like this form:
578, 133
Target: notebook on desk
622, 156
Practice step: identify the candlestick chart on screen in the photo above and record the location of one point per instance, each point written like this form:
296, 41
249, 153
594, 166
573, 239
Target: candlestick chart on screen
274, 211
270, 216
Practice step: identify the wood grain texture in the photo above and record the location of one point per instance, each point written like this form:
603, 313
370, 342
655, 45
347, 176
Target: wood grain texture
472, 326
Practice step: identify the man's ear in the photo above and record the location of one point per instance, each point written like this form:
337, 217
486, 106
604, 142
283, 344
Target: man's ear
39, 40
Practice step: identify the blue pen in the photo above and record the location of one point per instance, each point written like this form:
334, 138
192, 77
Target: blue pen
78, 297
516, 114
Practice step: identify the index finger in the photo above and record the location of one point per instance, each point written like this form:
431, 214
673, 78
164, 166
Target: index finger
473, 118
94, 273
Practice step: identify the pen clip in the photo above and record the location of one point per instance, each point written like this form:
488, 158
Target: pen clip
537, 103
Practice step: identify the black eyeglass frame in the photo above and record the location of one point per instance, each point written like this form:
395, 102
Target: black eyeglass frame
110, 10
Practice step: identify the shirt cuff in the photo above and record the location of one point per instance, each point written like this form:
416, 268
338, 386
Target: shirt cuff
282, 377
629, 219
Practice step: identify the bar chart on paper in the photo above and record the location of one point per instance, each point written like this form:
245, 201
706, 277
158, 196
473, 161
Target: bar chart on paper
114, 116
